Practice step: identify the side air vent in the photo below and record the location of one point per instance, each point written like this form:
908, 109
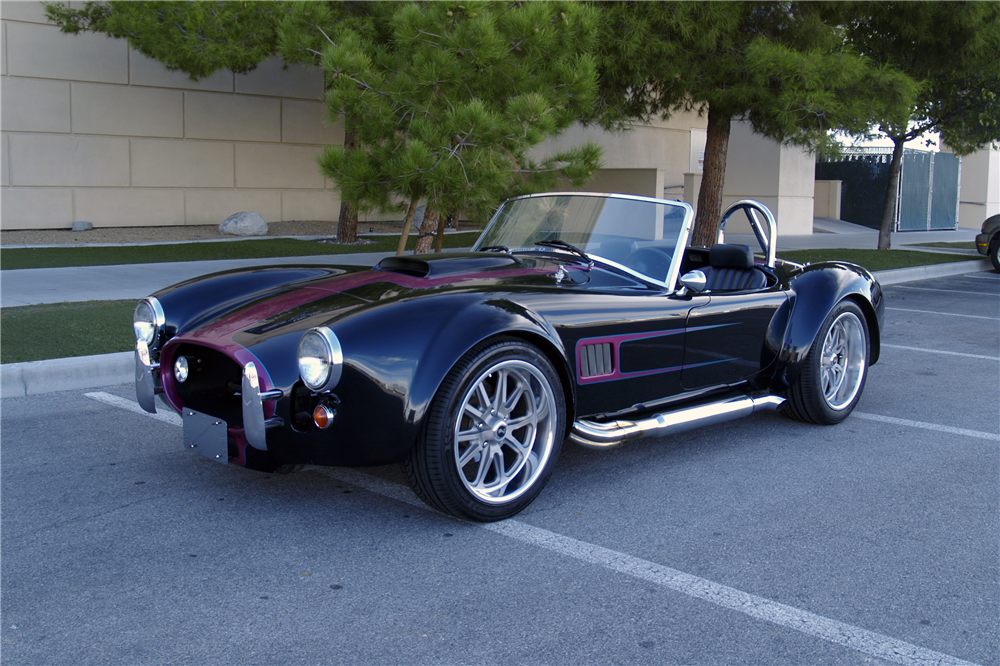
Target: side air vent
595, 360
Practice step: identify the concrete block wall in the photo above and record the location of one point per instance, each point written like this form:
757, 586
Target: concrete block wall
979, 196
93, 130
663, 159
827, 198
780, 177
648, 160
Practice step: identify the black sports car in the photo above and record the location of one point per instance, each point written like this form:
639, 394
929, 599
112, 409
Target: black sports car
576, 316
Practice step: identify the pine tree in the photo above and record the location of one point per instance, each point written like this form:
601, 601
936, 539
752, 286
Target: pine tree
782, 66
952, 50
448, 100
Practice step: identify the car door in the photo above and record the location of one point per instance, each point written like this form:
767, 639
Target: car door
726, 338
626, 346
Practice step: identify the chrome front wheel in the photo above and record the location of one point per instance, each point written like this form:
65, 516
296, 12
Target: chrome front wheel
492, 435
504, 431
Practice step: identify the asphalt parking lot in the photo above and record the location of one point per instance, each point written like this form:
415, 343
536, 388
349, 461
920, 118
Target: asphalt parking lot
757, 541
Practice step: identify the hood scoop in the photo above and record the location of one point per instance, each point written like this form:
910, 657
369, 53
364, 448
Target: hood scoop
432, 266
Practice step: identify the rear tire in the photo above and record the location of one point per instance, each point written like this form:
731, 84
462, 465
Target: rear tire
834, 372
492, 435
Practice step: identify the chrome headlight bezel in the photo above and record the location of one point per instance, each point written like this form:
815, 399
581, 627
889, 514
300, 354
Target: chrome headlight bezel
320, 358
148, 321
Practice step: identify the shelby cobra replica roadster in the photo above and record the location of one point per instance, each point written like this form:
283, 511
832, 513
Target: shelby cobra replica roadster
576, 316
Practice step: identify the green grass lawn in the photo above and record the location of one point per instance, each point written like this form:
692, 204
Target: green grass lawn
54, 257
874, 260
958, 245
37, 332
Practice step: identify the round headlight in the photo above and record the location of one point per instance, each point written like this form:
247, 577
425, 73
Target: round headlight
320, 359
181, 369
147, 321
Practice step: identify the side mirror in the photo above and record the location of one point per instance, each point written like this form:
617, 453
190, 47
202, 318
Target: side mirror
694, 281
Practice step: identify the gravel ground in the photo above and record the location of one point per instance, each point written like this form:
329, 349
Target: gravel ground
177, 233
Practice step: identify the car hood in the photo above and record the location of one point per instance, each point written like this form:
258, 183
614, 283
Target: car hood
323, 300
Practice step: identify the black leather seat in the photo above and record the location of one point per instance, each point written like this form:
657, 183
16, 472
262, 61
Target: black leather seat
731, 268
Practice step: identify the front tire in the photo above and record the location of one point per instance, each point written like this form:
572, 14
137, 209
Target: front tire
492, 435
995, 253
834, 372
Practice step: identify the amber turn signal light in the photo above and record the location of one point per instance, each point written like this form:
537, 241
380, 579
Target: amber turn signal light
322, 417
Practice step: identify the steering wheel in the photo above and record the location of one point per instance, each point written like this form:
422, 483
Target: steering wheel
651, 261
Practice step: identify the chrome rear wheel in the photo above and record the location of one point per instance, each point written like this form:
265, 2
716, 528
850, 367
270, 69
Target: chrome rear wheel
843, 361
832, 375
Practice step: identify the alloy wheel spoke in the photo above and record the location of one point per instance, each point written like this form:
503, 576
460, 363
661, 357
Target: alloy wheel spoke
484, 397
470, 453
510, 403
522, 447
486, 463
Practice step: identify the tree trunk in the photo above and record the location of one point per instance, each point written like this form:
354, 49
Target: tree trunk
439, 239
410, 212
706, 223
347, 225
891, 195
427, 229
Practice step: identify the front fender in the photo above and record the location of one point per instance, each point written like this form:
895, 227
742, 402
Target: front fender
406, 350
813, 293
469, 327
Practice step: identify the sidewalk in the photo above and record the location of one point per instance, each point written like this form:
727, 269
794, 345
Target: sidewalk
134, 281
33, 286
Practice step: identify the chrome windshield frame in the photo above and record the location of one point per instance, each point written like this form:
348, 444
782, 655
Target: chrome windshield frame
669, 283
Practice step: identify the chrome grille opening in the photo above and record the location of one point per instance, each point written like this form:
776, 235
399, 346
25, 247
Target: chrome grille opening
213, 384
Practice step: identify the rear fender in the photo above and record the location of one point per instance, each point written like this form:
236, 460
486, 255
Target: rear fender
813, 294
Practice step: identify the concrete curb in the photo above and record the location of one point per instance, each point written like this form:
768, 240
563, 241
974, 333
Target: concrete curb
65, 374
899, 275
84, 372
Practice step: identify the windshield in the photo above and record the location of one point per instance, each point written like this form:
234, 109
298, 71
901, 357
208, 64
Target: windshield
640, 235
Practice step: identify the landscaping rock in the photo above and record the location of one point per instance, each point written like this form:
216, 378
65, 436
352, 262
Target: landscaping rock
82, 226
244, 224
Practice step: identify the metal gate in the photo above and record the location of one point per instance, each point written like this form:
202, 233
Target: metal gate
928, 187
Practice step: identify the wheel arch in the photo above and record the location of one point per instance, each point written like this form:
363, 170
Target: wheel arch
815, 292
490, 320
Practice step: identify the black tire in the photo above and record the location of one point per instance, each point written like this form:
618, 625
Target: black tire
827, 389
505, 456
994, 252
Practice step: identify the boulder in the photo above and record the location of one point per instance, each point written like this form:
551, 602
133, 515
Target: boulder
81, 225
244, 224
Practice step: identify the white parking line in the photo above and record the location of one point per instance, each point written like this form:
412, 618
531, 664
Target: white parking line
133, 406
760, 608
940, 351
993, 437
946, 314
949, 291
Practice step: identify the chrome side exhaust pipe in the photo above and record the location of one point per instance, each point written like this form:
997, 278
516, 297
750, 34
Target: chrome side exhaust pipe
594, 435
